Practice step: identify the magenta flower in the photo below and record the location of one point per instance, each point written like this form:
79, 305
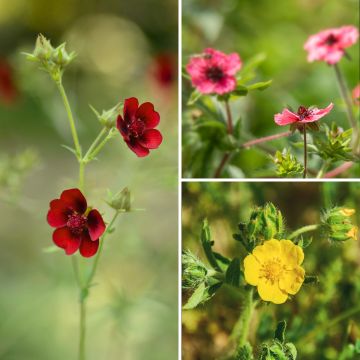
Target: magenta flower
329, 45
213, 72
303, 116
356, 95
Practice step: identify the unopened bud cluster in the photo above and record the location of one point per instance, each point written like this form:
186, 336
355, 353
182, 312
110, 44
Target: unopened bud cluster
265, 223
337, 224
286, 164
52, 60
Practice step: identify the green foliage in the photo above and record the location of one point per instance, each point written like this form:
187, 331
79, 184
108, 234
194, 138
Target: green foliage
120, 201
286, 164
333, 144
244, 353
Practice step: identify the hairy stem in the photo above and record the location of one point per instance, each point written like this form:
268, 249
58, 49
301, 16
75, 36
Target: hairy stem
70, 118
265, 139
339, 170
349, 110
241, 329
230, 127
302, 230
305, 153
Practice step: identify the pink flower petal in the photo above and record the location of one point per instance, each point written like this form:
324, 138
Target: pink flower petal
318, 114
95, 224
285, 118
88, 248
66, 240
151, 139
148, 115
137, 148
74, 199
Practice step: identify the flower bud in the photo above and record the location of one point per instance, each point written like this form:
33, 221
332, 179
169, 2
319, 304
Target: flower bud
43, 48
194, 272
286, 164
277, 350
121, 201
108, 117
337, 224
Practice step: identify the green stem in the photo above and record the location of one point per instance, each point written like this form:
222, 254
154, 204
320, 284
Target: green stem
75, 267
82, 329
81, 174
70, 118
241, 329
305, 153
347, 100
230, 126
94, 144
302, 230
322, 170
101, 145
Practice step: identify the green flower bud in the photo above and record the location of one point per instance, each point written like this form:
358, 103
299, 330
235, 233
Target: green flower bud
121, 201
194, 271
108, 117
337, 224
43, 48
286, 164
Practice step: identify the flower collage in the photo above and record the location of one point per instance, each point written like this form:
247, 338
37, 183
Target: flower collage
180, 179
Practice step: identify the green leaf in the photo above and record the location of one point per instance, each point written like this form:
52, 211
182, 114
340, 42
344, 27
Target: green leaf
260, 85
207, 243
311, 279
233, 273
194, 97
280, 331
196, 298
240, 90
70, 149
51, 249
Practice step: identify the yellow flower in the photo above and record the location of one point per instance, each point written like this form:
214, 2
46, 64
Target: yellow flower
274, 268
353, 232
347, 212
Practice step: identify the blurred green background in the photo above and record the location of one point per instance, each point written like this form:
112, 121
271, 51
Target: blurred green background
278, 29
206, 329
123, 50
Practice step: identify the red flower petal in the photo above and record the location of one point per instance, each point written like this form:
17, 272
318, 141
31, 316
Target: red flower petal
66, 240
75, 200
286, 117
130, 107
121, 126
96, 224
148, 115
138, 149
151, 139
58, 213
88, 247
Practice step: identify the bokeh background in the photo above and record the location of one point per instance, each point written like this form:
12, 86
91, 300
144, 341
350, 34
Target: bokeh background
125, 48
278, 30
310, 313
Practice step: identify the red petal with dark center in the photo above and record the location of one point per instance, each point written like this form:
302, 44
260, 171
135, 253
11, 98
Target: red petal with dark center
121, 126
58, 213
88, 247
151, 139
148, 115
139, 150
66, 240
75, 200
130, 107
96, 224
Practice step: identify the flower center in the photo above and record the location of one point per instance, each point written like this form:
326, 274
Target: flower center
272, 270
214, 73
136, 128
303, 112
331, 40
76, 223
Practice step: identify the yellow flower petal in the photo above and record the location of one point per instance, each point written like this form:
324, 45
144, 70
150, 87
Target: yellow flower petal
292, 280
291, 253
353, 232
267, 251
269, 291
252, 270
347, 212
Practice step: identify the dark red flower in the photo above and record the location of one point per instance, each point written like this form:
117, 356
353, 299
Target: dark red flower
8, 90
77, 226
164, 69
137, 127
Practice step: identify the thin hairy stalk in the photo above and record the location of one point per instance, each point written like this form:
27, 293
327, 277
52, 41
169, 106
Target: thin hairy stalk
102, 143
302, 230
305, 154
230, 126
265, 139
339, 170
349, 110
241, 329
94, 144
70, 118
321, 329
84, 291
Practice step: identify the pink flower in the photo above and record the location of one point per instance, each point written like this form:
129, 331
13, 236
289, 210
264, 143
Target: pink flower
303, 116
328, 45
213, 71
356, 95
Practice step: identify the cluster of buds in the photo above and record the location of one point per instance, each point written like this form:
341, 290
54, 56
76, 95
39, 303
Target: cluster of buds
286, 164
52, 60
337, 224
265, 223
120, 201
